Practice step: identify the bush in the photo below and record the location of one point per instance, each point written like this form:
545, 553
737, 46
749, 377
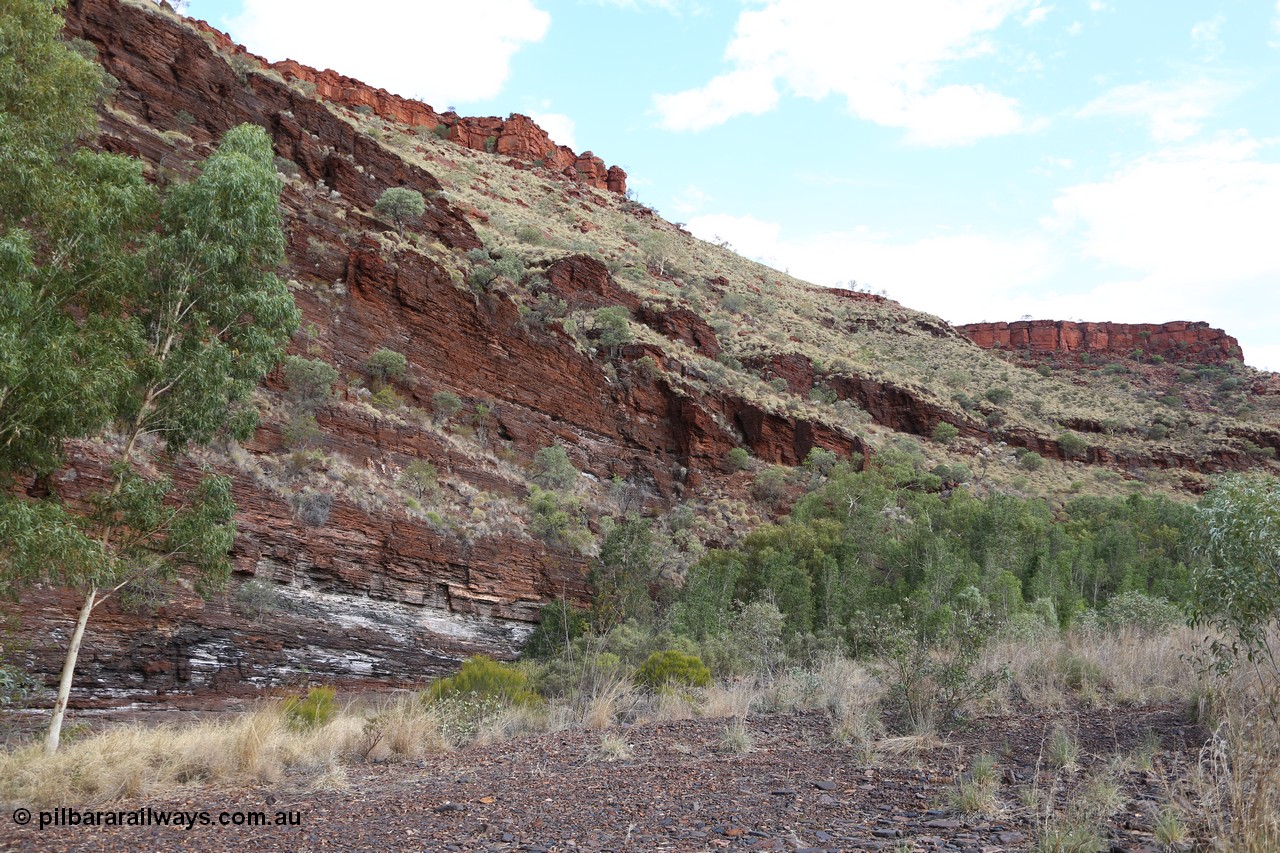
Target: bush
738, 459
386, 400
945, 433
402, 205
312, 508
999, 394
386, 365
673, 667
1031, 460
310, 381
557, 519
560, 625
821, 461
1072, 445
771, 485
314, 711
552, 468
482, 677
421, 478
614, 325
445, 404
1149, 614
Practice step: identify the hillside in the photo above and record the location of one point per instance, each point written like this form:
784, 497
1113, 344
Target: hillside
499, 299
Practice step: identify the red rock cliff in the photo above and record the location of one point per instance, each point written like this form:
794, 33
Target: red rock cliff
1176, 341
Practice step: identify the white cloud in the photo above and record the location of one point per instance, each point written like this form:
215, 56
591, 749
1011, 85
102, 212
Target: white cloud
882, 58
1035, 15
1206, 36
1195, 229
558, 126
690, 200
951, 275
749, 92
1200, 216
1184, 234
1173, 111
441, 52
1275, 25
1075, 29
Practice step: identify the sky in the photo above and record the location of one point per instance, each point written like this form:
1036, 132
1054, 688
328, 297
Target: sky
980, 160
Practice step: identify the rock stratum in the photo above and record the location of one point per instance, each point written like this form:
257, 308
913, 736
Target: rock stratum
378, 594
1177, 341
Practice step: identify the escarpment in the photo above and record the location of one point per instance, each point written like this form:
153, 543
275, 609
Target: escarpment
344, 575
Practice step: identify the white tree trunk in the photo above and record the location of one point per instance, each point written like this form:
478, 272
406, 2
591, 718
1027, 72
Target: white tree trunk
68, 672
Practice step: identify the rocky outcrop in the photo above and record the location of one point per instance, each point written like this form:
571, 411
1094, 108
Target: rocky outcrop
1176, 341
517, 136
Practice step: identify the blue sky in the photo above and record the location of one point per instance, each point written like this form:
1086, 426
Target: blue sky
977, 159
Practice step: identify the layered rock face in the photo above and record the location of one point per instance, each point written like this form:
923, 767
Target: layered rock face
374, 594
1177, 341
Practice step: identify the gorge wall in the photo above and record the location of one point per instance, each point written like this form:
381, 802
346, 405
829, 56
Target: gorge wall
376, 594
1176, 341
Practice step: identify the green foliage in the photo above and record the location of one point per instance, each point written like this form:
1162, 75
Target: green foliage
945, 433
552, 469
445, 404
821, 461
613, 325
560, 624
1031, 460
386, 365
931, 660
482, 677
771, 485
401, 205
421, 478
558, 519
1237, 589
310, 381
316, 710
738, 459
999, 394
673, 667
385, 399
1148, 614
1072, 445
624, 573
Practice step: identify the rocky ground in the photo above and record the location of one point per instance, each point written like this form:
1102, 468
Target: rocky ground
676, 787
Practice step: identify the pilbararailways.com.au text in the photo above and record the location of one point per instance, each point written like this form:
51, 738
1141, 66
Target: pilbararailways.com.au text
147, 816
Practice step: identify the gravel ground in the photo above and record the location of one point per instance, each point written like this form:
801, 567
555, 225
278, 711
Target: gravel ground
678, 789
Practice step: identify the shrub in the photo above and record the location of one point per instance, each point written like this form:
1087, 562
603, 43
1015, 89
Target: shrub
738, 459
999, 394
312, 508
1044, 370
1072, 445
1149, 614
771, 484
421, 478
560, 625
482, 677
310, 381
386, 399
445, 404
402, 205
1031, 460
821, 461
301, 431
552, 468
557, 519
614, 325
673, 667
314, 711
734, 302
945, 433
386, 365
